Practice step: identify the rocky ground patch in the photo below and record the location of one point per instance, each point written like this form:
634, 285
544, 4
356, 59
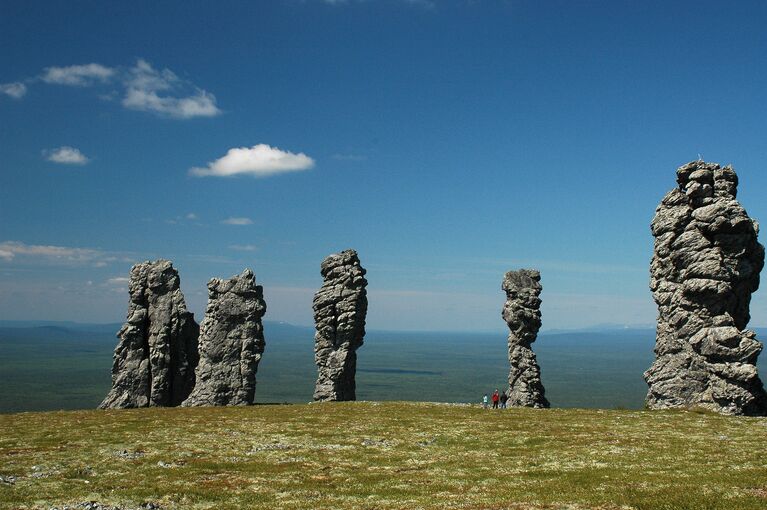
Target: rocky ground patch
381, 455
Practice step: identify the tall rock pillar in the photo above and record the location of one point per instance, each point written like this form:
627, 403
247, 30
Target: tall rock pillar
156, 355
705, 265
523, 316
340, 307
231, 343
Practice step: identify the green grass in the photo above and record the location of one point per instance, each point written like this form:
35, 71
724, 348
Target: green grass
384, 455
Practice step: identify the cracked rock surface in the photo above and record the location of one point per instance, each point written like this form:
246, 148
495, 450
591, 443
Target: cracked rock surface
231, 342
523, 316
705, 266
340, 307
156, 355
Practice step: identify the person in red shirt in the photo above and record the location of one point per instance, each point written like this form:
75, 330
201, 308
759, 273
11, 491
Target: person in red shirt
496, 398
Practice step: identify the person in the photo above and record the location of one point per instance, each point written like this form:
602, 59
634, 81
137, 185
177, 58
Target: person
504, 399
496, 398
484, 401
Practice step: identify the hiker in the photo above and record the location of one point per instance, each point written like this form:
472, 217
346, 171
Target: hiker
496, 398
504, 399
484, 401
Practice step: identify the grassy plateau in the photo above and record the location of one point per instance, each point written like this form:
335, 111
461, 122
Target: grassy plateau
397, 455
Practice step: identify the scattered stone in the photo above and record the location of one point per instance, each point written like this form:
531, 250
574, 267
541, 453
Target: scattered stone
131, 455
94, 505
8, 479
523, 315
38, 472
340, 307
231, 343
154, 360
705, 266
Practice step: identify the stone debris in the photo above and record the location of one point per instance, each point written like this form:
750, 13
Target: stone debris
94, 505
38, 472
340, 307
156, 356
705, 266
8, 479
523, 316
130, 455
231, 343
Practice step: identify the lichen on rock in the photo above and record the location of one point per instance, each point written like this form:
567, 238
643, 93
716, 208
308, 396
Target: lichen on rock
231, 342
340, 307
156, 356
705, 266
523, 316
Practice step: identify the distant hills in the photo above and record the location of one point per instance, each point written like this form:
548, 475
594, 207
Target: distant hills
46, 365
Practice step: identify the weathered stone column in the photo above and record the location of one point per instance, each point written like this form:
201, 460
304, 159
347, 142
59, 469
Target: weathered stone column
340, 307
704, 268
154, 360
231, 343
523, 316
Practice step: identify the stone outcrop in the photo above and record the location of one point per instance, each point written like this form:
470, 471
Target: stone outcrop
231, 343
523, 316
340, 307
704, 268
156, 356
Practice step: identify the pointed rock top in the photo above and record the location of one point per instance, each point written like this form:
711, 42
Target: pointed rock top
700, 180
344, 258
521, 279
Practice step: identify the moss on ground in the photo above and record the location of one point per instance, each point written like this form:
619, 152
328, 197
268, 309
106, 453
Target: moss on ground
384, 455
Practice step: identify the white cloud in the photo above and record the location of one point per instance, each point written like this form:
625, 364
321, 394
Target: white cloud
38, 254
243, 247
117, 284
191, 216
237, 221
78, 75
16, 90
66, 156
144, 84
11, 250
259, 161
144, 88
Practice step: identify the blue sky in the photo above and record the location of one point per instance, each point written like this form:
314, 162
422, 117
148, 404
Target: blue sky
447, 142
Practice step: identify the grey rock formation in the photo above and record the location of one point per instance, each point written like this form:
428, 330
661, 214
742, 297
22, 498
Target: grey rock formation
704, 268
156, 355
523, 316
231, 343
340, 307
